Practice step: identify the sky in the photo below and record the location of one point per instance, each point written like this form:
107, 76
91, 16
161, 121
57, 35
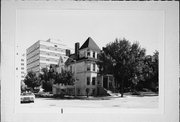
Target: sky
103, 26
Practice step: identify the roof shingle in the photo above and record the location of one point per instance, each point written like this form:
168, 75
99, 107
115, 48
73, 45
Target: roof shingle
89, 43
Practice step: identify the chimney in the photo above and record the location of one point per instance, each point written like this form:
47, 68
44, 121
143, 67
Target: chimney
68, 52
103, 48
77, 50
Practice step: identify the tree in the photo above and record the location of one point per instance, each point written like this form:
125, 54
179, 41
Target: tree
155, 77
125, 61
105, 63
50, 77
32, 81
151, 72
47, 78
23, 86
65, 77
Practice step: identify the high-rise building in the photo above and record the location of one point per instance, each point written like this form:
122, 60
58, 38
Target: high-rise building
44, 53
23, 66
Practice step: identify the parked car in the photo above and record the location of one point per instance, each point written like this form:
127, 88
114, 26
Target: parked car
27, 97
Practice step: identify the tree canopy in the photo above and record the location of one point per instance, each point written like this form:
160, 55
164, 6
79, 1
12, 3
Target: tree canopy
65, 77
32, 81
50, 77
129, 64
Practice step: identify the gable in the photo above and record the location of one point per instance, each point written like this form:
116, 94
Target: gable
90, 44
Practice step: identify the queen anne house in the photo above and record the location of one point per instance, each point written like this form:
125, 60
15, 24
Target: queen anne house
83, 63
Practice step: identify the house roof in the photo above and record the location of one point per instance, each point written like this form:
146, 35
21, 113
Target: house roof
89, 43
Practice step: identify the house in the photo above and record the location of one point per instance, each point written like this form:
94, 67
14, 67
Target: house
83, 63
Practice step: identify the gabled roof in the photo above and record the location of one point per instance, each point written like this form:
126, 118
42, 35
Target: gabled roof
89, 43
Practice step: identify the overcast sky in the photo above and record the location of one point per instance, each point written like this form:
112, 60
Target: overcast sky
71, 26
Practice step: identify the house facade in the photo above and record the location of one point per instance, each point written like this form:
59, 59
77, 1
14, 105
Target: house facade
83, 63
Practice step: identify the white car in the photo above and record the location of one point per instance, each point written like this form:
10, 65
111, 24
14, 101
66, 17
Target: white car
27, 97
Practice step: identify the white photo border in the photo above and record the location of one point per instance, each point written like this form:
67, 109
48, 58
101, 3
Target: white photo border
168, 71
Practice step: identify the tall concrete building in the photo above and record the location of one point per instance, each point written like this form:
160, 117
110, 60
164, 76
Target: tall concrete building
44, 53
23, 66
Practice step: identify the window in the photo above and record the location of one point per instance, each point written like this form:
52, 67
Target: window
55, 45
22, 59
93, 80
88, 67
88, 54
94, 67
88, 80
94, 54
93, 91
71, 68
98, 82
22, 64
22, 68
78, 91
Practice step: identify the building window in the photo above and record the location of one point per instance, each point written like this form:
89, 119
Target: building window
93, 80
55, 45
98, 82
71, 68
22, 64
94, 54
88, 54
88, 67
22, 59
22, 68
93, 92
78, 91
88, 80
94, 67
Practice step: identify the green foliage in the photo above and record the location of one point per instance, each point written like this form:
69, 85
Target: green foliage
31, 80
151, 71
50, 77
23, 87
129, 65
65, 77
47, 78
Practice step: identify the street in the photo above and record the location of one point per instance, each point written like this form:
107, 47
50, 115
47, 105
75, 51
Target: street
118, 102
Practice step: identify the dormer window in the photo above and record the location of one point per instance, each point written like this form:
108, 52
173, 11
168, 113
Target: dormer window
88, 54
94, 54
